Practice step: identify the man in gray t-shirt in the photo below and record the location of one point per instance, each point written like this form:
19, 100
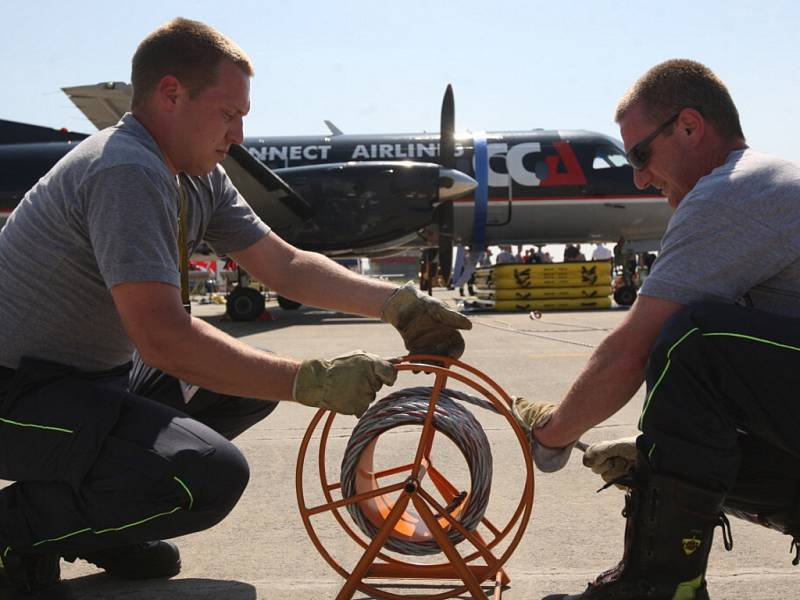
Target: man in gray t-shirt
105, 457
714, 334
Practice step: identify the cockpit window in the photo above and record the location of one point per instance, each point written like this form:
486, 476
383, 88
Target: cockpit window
608, 157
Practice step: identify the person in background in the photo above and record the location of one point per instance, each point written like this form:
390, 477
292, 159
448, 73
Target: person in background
505, 255
600, 252
571, 252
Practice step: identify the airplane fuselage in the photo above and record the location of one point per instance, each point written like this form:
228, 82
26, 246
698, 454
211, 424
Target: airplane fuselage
535, 186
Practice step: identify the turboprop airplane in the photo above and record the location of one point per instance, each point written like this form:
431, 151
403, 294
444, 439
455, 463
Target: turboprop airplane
377, 195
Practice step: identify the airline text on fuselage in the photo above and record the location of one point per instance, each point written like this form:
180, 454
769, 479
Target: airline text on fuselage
315, 152
526, 164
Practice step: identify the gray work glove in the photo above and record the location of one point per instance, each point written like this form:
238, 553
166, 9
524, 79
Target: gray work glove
428, 325
346, 384
533, 414
612, 458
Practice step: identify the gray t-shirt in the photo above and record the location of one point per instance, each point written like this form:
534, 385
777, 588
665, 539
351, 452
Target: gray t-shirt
735, 237
105, 214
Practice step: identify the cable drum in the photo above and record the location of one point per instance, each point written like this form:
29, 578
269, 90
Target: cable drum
409, 407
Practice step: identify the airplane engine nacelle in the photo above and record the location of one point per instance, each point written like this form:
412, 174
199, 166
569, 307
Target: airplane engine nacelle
375, 203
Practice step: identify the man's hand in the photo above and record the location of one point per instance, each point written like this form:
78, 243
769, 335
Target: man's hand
531, 415
612, 458
345, 384
428, 325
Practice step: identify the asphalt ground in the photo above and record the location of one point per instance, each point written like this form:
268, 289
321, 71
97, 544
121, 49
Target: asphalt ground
262, 550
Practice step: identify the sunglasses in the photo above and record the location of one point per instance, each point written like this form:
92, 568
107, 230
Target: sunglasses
640, 153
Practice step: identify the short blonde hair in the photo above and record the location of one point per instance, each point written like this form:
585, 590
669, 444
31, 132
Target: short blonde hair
681, 83
190, 50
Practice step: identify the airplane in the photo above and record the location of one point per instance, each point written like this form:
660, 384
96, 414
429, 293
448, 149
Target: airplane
384, 194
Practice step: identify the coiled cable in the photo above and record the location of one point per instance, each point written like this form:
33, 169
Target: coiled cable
409, 407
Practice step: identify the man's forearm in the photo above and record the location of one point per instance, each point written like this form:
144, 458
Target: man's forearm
315, 280
607, 383
207, 357
333, 286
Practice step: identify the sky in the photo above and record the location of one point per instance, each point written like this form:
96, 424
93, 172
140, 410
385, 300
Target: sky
382, 67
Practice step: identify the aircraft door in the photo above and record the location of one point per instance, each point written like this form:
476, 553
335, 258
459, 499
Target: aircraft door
499, 158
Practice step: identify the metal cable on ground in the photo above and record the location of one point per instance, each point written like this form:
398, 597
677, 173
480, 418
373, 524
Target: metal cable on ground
527, 332
409, 407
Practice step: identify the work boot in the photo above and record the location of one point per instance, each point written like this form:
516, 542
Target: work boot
33, 577
668, 531
148, 560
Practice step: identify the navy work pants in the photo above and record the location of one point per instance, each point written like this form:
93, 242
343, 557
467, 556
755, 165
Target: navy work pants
96, 465
722, 408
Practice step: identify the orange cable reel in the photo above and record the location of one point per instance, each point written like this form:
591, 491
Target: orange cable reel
403, 516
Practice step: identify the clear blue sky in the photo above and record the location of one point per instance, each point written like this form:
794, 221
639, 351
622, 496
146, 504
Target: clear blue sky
373, 66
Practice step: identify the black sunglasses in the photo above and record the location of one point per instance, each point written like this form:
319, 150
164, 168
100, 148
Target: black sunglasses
640, 153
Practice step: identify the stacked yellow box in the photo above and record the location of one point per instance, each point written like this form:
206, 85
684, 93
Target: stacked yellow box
550, 286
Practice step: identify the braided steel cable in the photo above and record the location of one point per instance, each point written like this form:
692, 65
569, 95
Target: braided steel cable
409, 407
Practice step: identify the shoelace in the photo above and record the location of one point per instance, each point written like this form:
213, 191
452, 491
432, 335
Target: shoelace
727, 534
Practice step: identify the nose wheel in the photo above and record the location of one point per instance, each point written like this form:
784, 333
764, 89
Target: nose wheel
423, 512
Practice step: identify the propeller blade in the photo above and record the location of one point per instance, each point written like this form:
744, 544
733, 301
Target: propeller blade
446, 254
447, 145
447, 158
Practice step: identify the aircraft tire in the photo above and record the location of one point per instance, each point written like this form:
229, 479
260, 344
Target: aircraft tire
625, 296
245, 304
287, 304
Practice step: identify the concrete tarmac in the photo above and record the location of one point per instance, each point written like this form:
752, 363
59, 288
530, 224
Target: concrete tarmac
262, 550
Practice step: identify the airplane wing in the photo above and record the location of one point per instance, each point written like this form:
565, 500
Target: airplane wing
103, 103
264, 190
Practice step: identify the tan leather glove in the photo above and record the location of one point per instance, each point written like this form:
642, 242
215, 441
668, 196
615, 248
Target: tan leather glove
428, 325
346, 384
533, 414
612, 458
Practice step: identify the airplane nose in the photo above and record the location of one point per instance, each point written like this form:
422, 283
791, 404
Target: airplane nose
454, 184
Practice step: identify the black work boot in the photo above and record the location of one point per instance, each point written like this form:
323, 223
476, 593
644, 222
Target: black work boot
148, 560
33, 577
668, 532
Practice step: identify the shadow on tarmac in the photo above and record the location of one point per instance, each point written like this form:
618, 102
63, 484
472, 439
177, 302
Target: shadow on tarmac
101, 587
285, 318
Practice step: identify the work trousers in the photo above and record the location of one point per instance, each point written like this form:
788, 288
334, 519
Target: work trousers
108, 459
722, 408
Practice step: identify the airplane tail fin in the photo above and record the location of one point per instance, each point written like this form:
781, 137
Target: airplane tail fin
12, 132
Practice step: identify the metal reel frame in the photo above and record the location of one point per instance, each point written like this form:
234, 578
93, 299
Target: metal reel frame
375, 564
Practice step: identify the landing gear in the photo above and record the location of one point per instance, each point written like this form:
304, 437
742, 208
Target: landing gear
625, 289
245, 304
625, 295
428, 270
287, 304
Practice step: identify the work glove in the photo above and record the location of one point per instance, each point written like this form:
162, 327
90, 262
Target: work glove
531, 415
428, 325
611, 459
346, 384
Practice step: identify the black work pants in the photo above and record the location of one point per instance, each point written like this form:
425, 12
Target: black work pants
97, 466
722, 408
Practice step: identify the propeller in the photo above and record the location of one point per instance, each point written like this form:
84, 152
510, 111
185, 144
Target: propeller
447, 159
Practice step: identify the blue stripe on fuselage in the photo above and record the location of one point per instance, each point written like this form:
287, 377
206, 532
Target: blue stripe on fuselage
480, 211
